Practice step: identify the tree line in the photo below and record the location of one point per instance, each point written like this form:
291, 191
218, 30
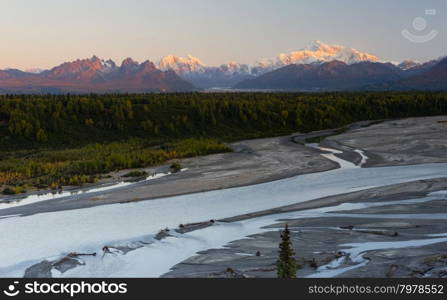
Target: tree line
73, 119
53, 140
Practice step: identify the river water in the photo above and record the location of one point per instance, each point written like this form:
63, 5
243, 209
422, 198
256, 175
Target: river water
31, 239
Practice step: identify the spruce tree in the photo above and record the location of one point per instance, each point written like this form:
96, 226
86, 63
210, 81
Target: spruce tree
287, 266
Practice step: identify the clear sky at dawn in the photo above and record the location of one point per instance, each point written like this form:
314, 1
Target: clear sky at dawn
44, 33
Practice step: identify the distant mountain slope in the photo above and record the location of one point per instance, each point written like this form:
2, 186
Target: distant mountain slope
430, 76
334, 75
94, 76
412, 68
12, 74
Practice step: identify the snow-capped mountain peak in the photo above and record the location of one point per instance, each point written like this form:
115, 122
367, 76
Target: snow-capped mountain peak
181, 65
408, 64
318, 52
316, 46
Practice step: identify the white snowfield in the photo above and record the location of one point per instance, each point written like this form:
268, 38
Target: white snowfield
29, 240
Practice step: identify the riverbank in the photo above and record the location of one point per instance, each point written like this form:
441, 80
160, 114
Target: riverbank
395, 142
148, 238
264, 160
251, 162
393, 231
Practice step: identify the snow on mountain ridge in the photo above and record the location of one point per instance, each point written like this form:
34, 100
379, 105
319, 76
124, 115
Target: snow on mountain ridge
407, 64
318, 52
181, 65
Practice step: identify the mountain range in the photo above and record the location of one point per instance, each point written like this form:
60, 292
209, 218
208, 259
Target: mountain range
195, 71
94, 75
334, 75
318, 67
338, 75
228, 75
429, 76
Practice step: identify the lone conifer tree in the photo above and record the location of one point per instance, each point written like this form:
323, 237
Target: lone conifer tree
286, 264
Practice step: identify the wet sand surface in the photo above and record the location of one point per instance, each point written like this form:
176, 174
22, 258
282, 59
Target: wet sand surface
396, 142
